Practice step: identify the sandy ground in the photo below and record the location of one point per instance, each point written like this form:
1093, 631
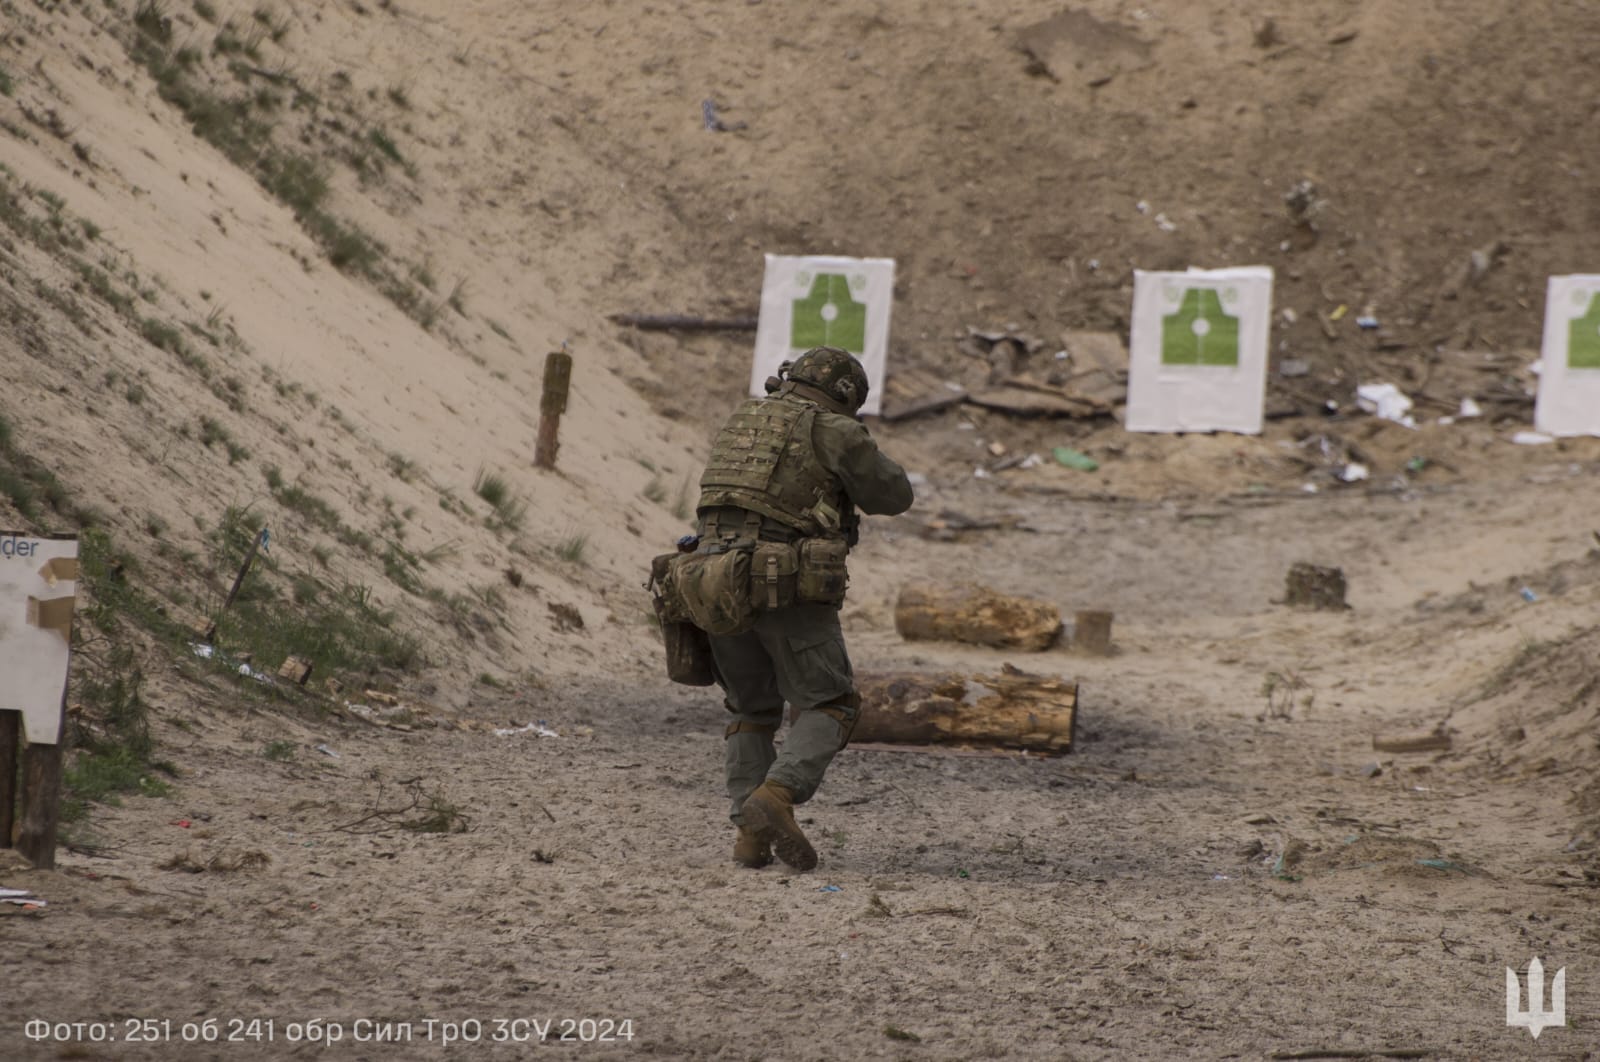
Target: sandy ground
1117, 902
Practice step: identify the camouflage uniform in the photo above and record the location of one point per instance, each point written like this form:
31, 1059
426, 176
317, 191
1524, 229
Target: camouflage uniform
774, 455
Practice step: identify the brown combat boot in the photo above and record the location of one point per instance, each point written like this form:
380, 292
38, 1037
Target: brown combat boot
750, 850
769, 811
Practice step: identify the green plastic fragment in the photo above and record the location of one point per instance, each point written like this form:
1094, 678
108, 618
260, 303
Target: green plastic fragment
1066, 455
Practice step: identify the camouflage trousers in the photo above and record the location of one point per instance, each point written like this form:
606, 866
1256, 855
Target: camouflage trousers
793, 655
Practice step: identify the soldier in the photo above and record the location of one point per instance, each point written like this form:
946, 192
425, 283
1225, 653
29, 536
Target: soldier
792, 468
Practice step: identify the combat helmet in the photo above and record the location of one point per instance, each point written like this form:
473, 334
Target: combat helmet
834, 372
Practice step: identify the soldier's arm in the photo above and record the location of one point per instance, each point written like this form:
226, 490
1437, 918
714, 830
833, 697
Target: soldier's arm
874, 482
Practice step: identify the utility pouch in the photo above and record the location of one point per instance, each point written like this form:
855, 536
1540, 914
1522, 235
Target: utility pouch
715, 590
824, 571
688, 651
772, 575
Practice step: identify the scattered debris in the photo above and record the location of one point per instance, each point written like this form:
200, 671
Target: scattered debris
296, 670
1366, 322
1386, 401
1289, 368
1071, 458
22, 898
1354, 472
223, 862
327, 751
1305, 205
538, 729
1528, 595
1532, 438
1315, 586
713, 123
830, 888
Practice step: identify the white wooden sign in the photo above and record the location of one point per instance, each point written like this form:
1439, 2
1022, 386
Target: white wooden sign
38, 584
1569, 364
817, 301
1197, 356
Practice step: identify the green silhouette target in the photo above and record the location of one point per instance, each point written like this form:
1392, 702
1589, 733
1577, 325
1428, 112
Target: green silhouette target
1583, 341
1200, 332
829, 316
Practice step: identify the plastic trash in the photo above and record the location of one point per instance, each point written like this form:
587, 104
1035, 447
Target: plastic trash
1528, 595
1366, 323
1469, 408
1416, 464
326, 751
532, 728
1532, 438
1071, 458
1386, 401
1354, 472
830, 888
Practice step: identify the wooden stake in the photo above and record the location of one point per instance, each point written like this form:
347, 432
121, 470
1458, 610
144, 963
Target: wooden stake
238, 581
1091, 632
41, 797
10, 736
557, 379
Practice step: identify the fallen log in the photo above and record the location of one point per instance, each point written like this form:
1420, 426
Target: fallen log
978, 615
1013, 709
682, 322
1432, 741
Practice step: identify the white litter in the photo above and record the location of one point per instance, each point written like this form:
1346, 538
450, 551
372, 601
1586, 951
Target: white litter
1386, 401
980, 472
532, 728
1532, 438
1031, 461
326, 751
1354, 472
201, 650
1469, 408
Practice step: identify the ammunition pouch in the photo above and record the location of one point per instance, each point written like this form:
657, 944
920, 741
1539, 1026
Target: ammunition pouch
773, 570
824, 571
688, 651
714, 590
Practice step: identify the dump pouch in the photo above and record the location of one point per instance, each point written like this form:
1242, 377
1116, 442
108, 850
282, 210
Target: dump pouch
772, 575
715, 590
824, 571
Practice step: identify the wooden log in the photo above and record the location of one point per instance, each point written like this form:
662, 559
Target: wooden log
1013, 709
1433, 741
552, 403
1313, 586
680, 322
10, 740
1091, 631
976, 614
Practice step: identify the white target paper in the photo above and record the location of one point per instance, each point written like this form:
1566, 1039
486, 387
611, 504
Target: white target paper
1197, 356
38, 584
816, 301
1569, 365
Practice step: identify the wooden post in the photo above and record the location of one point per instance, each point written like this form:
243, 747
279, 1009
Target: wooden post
553, 403
41, 797
1091, 632
238, 581
10, 737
